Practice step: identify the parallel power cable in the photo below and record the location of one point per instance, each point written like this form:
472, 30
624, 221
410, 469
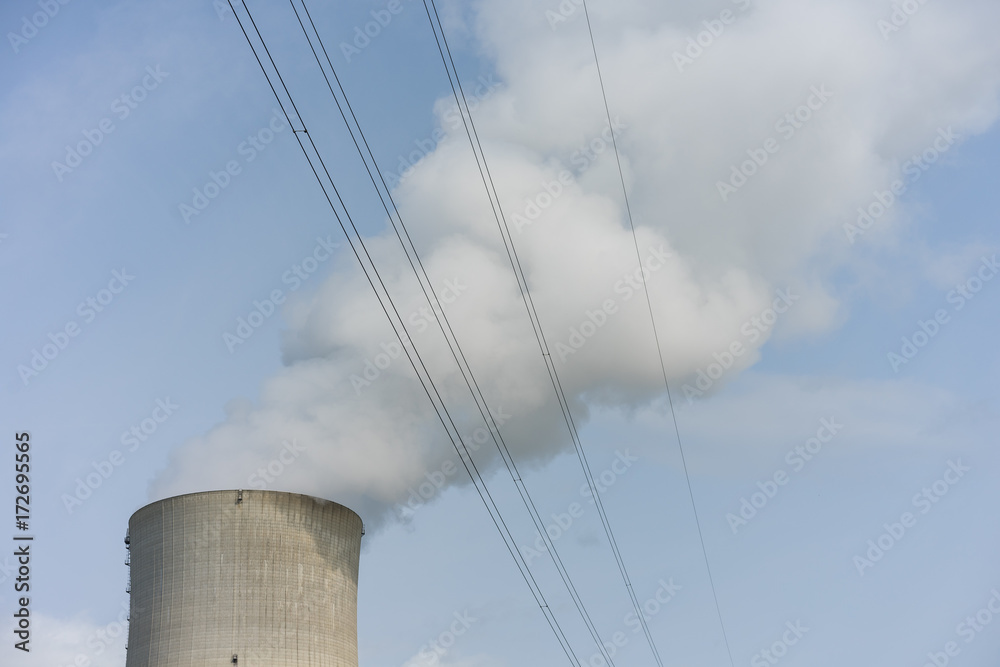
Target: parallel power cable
656, 338
419, 367
444, 324
515, 262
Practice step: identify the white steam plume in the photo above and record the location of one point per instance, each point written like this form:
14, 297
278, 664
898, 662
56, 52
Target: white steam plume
716, 262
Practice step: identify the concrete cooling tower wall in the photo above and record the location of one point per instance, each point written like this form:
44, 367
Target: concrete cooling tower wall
246, 578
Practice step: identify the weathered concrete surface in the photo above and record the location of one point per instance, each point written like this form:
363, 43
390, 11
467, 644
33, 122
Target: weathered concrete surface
268, 577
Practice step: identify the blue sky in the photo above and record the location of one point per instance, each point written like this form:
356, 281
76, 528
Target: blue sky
172, 292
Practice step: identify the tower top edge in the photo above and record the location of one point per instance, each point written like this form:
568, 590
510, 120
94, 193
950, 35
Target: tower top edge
239, 495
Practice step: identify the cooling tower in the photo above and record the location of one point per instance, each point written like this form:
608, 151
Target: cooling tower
246, 578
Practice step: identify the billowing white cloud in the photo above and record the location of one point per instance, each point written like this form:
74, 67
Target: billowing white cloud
744, 158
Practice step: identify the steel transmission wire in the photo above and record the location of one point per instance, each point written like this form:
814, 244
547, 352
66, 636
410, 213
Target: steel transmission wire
488, 183
656, 339
445, 326
427, 384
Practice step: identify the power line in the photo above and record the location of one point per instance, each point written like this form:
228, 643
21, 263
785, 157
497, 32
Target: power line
656, 338
416, 265
529, 305
431, 391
